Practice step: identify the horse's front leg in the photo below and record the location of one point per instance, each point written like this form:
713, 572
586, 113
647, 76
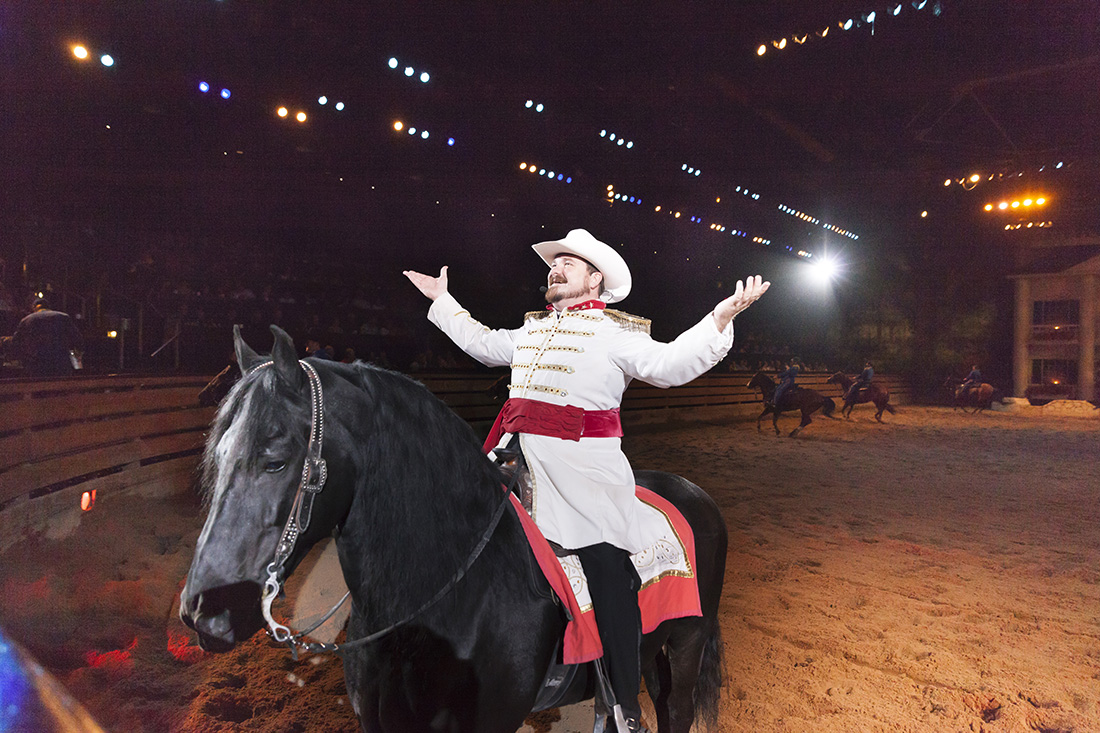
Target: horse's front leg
775, 420
759, 418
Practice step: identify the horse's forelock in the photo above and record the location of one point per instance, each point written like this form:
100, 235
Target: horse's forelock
257, 409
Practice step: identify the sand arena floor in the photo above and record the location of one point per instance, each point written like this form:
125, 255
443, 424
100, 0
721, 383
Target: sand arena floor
937, 573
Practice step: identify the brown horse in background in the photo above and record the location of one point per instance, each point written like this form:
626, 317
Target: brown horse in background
805, 400
874, 393
980, 397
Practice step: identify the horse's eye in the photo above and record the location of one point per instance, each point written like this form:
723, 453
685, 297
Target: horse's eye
274, 466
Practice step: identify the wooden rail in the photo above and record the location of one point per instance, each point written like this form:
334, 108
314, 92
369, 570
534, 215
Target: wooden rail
63, 438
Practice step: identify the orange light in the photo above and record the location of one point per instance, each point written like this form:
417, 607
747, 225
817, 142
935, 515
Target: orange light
1027, 202
1015, 204
398, 125
1040, 201
80, 52
301, 116
87, 500
1003, 205
523, 166
657, 208
761, 50
974, 178
989, 207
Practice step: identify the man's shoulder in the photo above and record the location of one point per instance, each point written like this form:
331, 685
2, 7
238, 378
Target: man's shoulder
628, 321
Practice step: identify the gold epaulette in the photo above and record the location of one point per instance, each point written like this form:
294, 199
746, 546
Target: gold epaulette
537, 315
628, 321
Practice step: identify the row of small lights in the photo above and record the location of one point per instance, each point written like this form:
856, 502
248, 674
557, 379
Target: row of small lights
690, 169
1006, 205
617, 139
532, 104
399, 126
969, 182
612, 196
425, 77
532, 168
813, 220
847, 25
1028, 225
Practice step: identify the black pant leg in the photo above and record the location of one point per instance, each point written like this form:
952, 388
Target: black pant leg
613, 584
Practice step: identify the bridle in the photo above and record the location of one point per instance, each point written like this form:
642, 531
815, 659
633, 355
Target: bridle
314, 474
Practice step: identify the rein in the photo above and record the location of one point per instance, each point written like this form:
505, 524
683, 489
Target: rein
314, 474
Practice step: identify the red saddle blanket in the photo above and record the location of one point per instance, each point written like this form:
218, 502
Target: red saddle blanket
673, 594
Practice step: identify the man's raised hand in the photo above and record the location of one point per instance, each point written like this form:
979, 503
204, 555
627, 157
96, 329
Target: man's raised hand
432, 287
745, 294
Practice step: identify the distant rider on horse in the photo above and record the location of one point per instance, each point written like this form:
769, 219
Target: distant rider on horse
786, 379
862, 381
972, 381
570, 365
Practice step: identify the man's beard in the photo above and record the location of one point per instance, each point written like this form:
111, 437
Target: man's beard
560, 291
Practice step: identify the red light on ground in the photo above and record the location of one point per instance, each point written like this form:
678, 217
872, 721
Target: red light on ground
87, 500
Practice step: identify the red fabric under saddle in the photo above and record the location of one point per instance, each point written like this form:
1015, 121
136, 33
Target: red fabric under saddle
670, 596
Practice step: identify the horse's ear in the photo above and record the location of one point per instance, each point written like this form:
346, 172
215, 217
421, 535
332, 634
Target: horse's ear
286, 359
247, 359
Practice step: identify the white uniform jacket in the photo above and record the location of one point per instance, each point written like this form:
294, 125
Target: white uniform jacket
583, 489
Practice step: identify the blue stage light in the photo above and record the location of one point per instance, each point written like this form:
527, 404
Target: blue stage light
631, 199
322, 100
226, 94
424, 77
538, 107
451, 141
603, 133
393, 63
339, 106
106, 60
424, 135
409, 71
204, 87
569, 179
529, 104
697, 171
560, 176
630, 144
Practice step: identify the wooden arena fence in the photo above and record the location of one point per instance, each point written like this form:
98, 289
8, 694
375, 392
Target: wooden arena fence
66, 442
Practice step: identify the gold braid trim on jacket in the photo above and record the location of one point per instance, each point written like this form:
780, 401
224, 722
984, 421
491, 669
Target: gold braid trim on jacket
625, 320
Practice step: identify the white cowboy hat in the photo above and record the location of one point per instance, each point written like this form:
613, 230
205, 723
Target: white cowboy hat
578, 242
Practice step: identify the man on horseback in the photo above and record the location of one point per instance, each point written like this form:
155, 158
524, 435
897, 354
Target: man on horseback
973, 380
570, 366
862, 381
786, 379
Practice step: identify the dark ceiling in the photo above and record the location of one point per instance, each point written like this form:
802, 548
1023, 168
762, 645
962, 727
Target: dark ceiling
860, 127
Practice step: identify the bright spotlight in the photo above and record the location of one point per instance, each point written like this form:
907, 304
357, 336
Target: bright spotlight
848, 24
424, 134
896, 10
204, 87
322, 100
823, 270
761, 49
450, 141
107, 60
393, 63
226, 94
539, 107
80, 52
339, 106
399, 125
530, 104
409, 71
424, 77
301, 116
282, 111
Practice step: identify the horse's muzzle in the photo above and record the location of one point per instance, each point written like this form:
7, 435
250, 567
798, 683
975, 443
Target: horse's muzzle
223, 616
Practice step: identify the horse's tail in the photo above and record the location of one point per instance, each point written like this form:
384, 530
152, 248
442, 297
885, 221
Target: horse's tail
708, 686
828, 407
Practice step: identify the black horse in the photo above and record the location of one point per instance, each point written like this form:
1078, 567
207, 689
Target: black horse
463, 626
876, 393
805, 400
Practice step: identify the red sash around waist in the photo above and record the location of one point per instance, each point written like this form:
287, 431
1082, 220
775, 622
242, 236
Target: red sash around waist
521, 415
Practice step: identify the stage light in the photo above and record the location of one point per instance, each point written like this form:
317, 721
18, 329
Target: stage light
301, 116
848, 24
974, 177
924, 215
1027, 202
424, 135
538, 107
630, 144
871, 17
824, 33
560, 176
612, 137
1059, 164
823, 270
603, 133
424, 77
204, 87
412, 130
530, 104
283, 112
532, 168
80, 52
896, 10
322, 100
106, 60
919, 4
947, 182
399, 125
523, 166
1040, 201
339, 106
1003, 205
549, 174
393, 63
409, 71
569, 179
989, 207
697, 171
226, 94
762, 49
657, 208
619, 141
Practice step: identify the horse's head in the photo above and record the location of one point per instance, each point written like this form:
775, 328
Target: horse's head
251, 471
837, 378
760, 380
